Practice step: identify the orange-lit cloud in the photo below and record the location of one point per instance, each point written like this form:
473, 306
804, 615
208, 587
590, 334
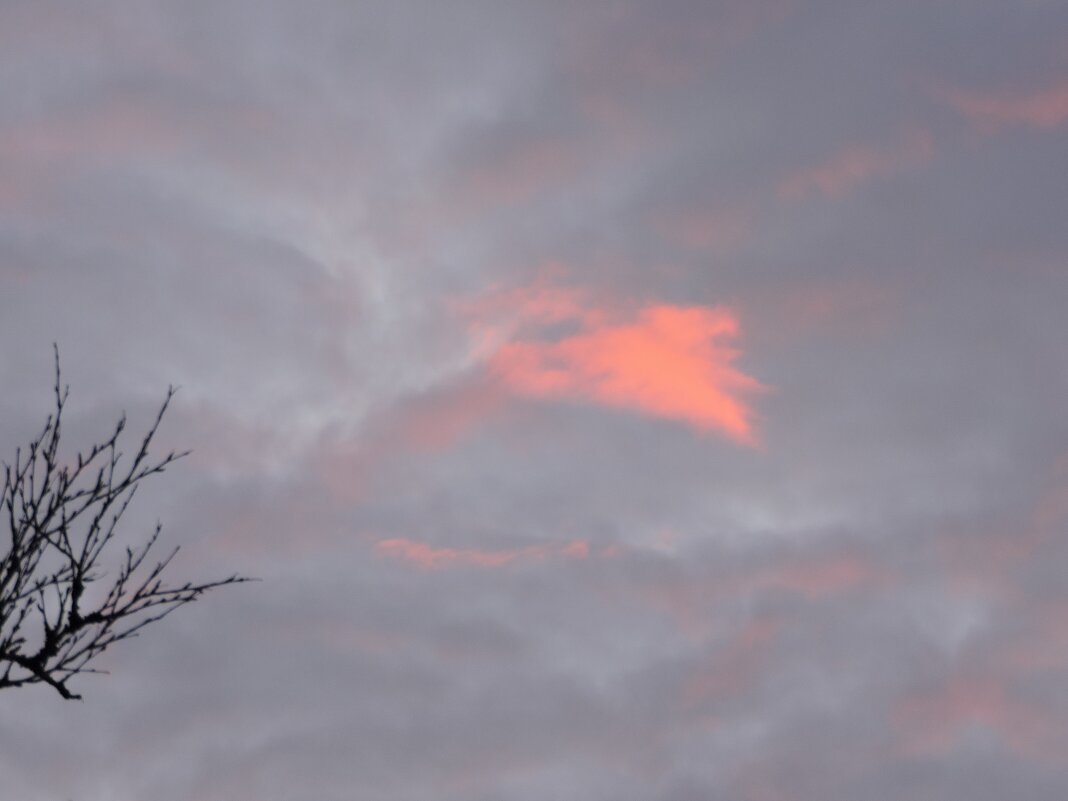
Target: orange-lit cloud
428, 557
1042, 109
660, 359
845, 170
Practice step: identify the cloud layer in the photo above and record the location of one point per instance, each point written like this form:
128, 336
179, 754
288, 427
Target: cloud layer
635, 401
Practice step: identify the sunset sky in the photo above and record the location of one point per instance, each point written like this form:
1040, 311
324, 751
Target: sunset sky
620, 400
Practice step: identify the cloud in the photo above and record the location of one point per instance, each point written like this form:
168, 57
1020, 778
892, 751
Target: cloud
275, 207
658, 48
936, 720
515, 176
428, 557
845, 170
437, 418
827, 576
691, 599
662, 360
722, 229
736, 668
1046, 108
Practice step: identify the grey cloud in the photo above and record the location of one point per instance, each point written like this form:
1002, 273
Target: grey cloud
279, 208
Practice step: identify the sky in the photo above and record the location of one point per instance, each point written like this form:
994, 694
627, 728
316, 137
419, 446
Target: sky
619, 401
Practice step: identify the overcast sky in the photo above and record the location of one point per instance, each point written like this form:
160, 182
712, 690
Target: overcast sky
621, 401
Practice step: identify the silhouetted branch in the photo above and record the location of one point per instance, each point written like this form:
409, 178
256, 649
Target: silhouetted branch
61, 518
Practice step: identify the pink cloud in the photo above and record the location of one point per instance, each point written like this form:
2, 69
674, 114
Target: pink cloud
852, 166
577, 549
932, 722
661, 360
428, 557
1046, 108
824, 577
500, 313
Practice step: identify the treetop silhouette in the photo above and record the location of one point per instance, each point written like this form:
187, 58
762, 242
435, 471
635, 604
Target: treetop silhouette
60, 605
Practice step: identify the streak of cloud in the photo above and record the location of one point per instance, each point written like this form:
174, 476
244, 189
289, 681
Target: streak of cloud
990, 111
428, 557
842, 172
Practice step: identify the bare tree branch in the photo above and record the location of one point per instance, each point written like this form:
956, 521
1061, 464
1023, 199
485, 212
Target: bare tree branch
61, 518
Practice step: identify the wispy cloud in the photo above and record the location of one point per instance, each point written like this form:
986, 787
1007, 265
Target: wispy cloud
989, 111
855, 165
429, 557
